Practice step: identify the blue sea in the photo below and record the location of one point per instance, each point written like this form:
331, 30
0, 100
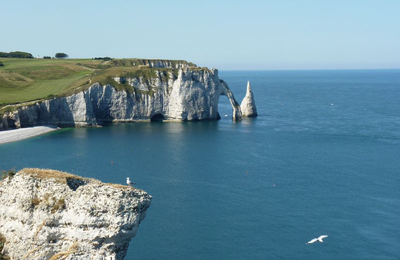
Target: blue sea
322, 158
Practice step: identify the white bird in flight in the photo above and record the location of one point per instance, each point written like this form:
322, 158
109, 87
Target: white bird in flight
129, 182
317, 239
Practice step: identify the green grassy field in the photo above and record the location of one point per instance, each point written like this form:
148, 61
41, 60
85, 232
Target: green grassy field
24, 80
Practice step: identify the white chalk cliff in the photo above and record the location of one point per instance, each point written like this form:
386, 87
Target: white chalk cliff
248, 106
46, 214
184, 93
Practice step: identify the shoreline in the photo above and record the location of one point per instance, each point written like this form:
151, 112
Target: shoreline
15, 135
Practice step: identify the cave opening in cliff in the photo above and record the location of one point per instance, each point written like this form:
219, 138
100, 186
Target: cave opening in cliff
11, 124
157, 118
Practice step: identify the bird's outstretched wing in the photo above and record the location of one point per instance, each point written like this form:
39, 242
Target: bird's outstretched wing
322, 237
312, 241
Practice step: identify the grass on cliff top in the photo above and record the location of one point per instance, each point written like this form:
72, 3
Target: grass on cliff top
47, 174
25, 80
64, 176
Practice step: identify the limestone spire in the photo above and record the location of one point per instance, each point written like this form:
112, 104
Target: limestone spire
248, 105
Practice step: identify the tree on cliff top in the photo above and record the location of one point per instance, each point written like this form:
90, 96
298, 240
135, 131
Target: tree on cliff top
61, 55
16, 54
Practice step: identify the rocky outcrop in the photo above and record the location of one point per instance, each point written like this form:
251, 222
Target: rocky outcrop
185, 94
248, 106
173, 64
46, 214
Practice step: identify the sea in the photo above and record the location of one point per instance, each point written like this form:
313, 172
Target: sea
322, 158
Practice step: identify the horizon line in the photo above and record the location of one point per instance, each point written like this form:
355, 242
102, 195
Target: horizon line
280, 69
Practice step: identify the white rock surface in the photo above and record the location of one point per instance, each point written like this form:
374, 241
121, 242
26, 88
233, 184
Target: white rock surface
192, 94
248, 105
46, 213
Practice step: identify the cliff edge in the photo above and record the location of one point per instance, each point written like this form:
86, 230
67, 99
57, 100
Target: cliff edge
128, 92
47, 214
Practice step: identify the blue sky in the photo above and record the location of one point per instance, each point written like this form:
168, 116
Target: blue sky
324, 34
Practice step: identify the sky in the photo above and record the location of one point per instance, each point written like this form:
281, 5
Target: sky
228, 35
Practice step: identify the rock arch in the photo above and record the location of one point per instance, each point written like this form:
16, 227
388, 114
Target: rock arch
236, 110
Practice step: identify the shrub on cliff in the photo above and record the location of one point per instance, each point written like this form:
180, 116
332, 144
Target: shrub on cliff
59, 205
10, 173
3, 256
1, 64
102, 58
2, 242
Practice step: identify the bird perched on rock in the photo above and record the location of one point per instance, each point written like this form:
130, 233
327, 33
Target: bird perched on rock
319, 239
129, 182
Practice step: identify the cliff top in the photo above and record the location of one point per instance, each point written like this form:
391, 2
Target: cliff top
65, 178
50, 174
24, 80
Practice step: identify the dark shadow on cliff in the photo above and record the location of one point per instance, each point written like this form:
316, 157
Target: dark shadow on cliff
74, 183
59, 113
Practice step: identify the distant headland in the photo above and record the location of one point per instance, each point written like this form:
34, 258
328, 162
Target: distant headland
88, 92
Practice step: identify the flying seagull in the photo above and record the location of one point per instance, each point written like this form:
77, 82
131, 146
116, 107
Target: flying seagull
129, 182
317, 239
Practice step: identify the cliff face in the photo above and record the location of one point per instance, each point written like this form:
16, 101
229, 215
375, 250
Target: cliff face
46, 214
192, 94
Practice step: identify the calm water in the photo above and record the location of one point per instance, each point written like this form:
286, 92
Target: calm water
323, 157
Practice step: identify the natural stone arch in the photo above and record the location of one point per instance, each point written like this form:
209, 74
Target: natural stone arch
236, 110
